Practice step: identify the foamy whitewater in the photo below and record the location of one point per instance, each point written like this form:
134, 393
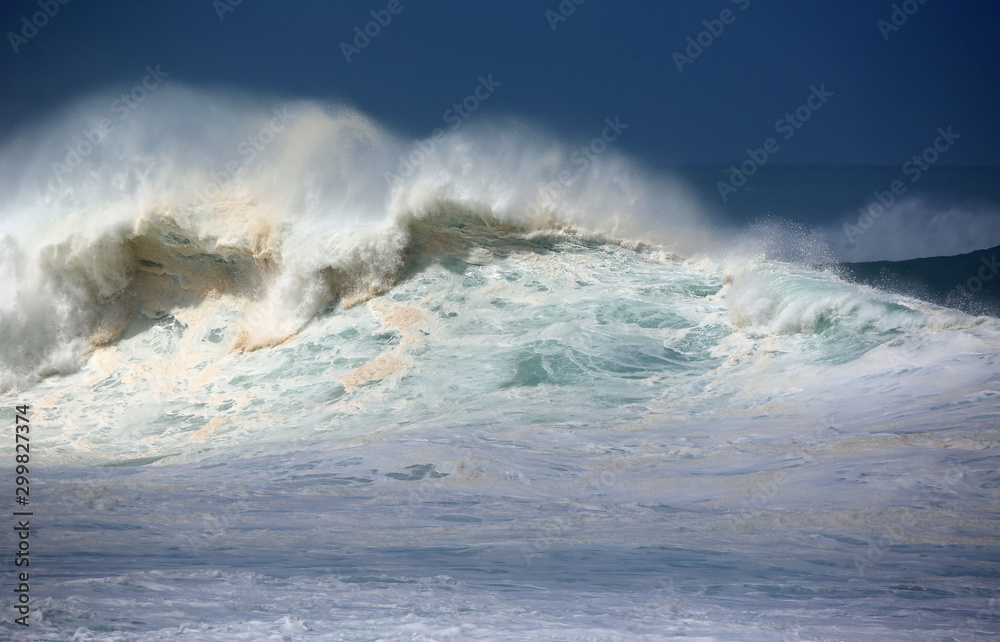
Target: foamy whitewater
288, 386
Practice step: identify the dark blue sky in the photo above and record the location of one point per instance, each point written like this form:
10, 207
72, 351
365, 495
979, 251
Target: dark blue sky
940, 68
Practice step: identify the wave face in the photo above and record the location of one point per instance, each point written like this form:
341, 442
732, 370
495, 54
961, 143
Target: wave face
447, 400
279, 212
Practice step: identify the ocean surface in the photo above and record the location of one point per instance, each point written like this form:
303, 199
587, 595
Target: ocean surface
352, 386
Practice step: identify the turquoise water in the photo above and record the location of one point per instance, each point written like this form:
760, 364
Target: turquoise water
281, 415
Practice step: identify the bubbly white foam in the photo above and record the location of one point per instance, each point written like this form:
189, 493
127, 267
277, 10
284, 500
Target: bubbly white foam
467, 404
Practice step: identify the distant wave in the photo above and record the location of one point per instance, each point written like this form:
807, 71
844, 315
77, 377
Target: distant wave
916, 228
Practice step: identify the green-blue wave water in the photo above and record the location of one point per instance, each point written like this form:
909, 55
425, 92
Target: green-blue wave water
482, 402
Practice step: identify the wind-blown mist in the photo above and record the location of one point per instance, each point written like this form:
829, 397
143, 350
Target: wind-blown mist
292, 374
283, 209
914, 228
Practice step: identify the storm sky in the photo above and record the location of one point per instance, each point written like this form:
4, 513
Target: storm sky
696, 82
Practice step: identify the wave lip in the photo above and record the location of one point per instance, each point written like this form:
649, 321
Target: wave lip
188, 201
308, 221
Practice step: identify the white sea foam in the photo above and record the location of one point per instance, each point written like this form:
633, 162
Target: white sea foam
317, 405
291, 221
